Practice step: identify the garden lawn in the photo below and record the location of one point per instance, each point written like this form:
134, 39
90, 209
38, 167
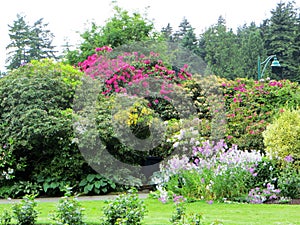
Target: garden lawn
159, 213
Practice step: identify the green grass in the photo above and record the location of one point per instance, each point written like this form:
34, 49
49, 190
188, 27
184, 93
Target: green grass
159, 214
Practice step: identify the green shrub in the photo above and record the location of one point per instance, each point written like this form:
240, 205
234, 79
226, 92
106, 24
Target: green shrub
289, 181
96, 184
25, 212
5, 218
69, 210
36, 130
126, 209
281, 137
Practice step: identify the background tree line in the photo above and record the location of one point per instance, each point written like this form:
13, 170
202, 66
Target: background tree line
228, 53
232, 54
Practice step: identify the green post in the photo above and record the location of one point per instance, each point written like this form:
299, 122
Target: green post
258, 68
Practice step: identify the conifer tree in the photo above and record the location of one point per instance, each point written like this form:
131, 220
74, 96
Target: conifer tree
280, 37
28, 42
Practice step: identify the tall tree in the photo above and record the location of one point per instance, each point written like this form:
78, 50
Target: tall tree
167, 32
251, 46
122, 28
19, 34
184, 27
41, 41
221, 50
280, 36
28, 42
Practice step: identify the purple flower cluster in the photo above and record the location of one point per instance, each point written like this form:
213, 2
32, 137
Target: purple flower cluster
219, 157
259, 196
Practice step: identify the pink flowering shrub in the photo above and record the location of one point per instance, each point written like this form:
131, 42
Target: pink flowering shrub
137, 74
242, 107
129, 68
250, 107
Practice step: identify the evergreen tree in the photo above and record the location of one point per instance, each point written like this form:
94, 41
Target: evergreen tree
251, 46
41, 41
184, 27
187, 37
19, 34
221, 50
167, 32
280, 37
190, 41
28, 42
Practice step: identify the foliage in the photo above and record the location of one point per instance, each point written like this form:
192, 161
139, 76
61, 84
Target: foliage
180, 217
127, 208
21, 188
265, 172
25, 212
5, 218
69, 210
28, 42
122, 28
96, 184
36, 127
221, 50
136, 89
258, 195
207, 95
289, 179
217, 172
281, 137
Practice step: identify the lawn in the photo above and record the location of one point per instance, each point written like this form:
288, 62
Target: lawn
159, 213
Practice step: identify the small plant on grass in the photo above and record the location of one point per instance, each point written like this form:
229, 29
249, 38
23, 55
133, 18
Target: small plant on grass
24, 211
5, 218
179, 216
258, 195
126, 209
69, 210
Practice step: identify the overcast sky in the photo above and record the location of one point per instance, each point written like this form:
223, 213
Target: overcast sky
66, 17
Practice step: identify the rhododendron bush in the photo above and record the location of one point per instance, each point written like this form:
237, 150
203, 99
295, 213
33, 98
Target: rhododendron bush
130, 68
141, 92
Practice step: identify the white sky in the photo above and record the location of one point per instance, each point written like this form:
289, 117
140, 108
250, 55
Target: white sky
66, 17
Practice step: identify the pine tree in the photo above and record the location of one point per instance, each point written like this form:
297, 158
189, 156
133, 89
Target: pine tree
19, 34
167, 32
251, 46
280, 36
187, 37
184, 27
221, 50
41, 41
28, 42
190, 41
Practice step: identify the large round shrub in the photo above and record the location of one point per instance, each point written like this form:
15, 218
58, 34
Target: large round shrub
36, 127
281, 137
